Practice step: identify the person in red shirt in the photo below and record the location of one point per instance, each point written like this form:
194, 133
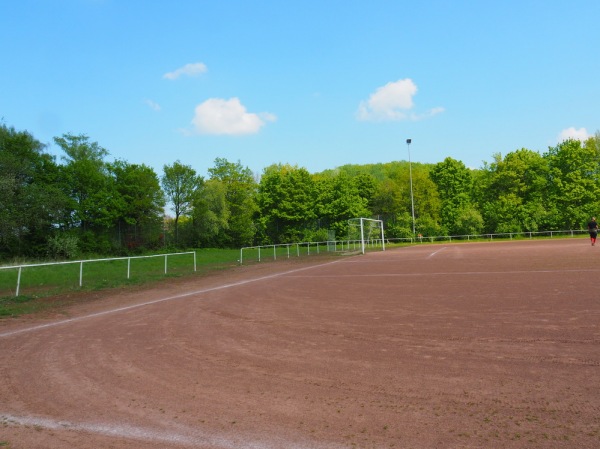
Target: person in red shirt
593, 230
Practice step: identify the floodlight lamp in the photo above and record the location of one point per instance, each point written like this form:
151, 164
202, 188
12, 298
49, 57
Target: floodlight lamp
409, 141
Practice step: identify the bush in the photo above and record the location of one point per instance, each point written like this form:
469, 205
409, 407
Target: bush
63, 246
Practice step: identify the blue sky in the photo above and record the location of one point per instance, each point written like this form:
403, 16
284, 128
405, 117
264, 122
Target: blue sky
313, 83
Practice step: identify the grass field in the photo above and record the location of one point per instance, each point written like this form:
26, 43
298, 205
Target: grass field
39, 282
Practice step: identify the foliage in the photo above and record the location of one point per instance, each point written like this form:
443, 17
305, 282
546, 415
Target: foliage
512, 192
240, 194
86, 205
286, 197
400, 226
31, 201
573, 182
87, 182
180, 183
63, 246
338, 199
140, 203
454, 184
211, 213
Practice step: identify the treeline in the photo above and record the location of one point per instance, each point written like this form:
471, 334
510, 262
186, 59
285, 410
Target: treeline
83, 204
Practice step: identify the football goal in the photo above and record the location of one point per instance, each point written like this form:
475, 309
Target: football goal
367, 231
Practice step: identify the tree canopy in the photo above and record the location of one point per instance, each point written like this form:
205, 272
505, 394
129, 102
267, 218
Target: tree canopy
84, 203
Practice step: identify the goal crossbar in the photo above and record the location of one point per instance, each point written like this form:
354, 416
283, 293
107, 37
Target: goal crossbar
370, 230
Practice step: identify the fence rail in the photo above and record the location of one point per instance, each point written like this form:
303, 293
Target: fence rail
289, 249
82, 262
497, 236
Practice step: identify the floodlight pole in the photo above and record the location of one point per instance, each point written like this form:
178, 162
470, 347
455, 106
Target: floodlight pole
412, 199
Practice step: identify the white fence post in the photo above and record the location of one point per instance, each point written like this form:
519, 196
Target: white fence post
18, 282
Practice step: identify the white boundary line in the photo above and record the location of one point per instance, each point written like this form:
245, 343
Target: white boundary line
186, 437
156, 301
452, 273
435, 252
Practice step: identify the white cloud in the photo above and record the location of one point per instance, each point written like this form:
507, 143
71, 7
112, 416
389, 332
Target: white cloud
220, 116
572, 133
194, 69
391, 102
152, 105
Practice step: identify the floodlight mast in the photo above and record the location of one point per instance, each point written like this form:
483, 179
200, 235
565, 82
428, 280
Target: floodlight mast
412, 199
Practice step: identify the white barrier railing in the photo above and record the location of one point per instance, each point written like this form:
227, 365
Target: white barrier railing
345, 245
81, 262
502, 235
289, 248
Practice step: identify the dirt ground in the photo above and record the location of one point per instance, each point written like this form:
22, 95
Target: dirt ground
434, 346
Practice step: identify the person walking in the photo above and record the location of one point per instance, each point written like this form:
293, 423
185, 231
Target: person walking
593, 230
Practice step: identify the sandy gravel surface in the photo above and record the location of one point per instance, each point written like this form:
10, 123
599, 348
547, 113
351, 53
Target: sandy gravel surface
433, 346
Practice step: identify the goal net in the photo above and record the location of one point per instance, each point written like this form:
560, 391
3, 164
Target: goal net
367, 232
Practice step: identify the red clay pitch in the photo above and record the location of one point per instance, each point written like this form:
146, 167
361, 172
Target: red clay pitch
433, 346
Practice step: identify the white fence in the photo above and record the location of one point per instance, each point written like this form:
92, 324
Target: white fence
287, 250
500, 236
82, 262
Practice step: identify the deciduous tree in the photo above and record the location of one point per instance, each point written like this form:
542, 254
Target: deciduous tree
286, 201
140, 203
31, 202
180, 183
240, 192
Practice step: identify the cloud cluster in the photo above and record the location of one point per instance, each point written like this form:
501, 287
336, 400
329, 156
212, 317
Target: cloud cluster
575, 134
393, 102
193, 69
220, 116
152, 105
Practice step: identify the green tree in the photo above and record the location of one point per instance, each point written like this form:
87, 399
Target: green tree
512, 192
399, 226
91, 189
366, 185
240, 193
211, 213
180, 184
140, 204
424, 194
454, 185
338, 200
286, 201
387, 200
31, 202
426, 197
573, 183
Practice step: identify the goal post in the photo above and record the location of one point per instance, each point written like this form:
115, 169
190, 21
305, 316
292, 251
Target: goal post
367, 231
